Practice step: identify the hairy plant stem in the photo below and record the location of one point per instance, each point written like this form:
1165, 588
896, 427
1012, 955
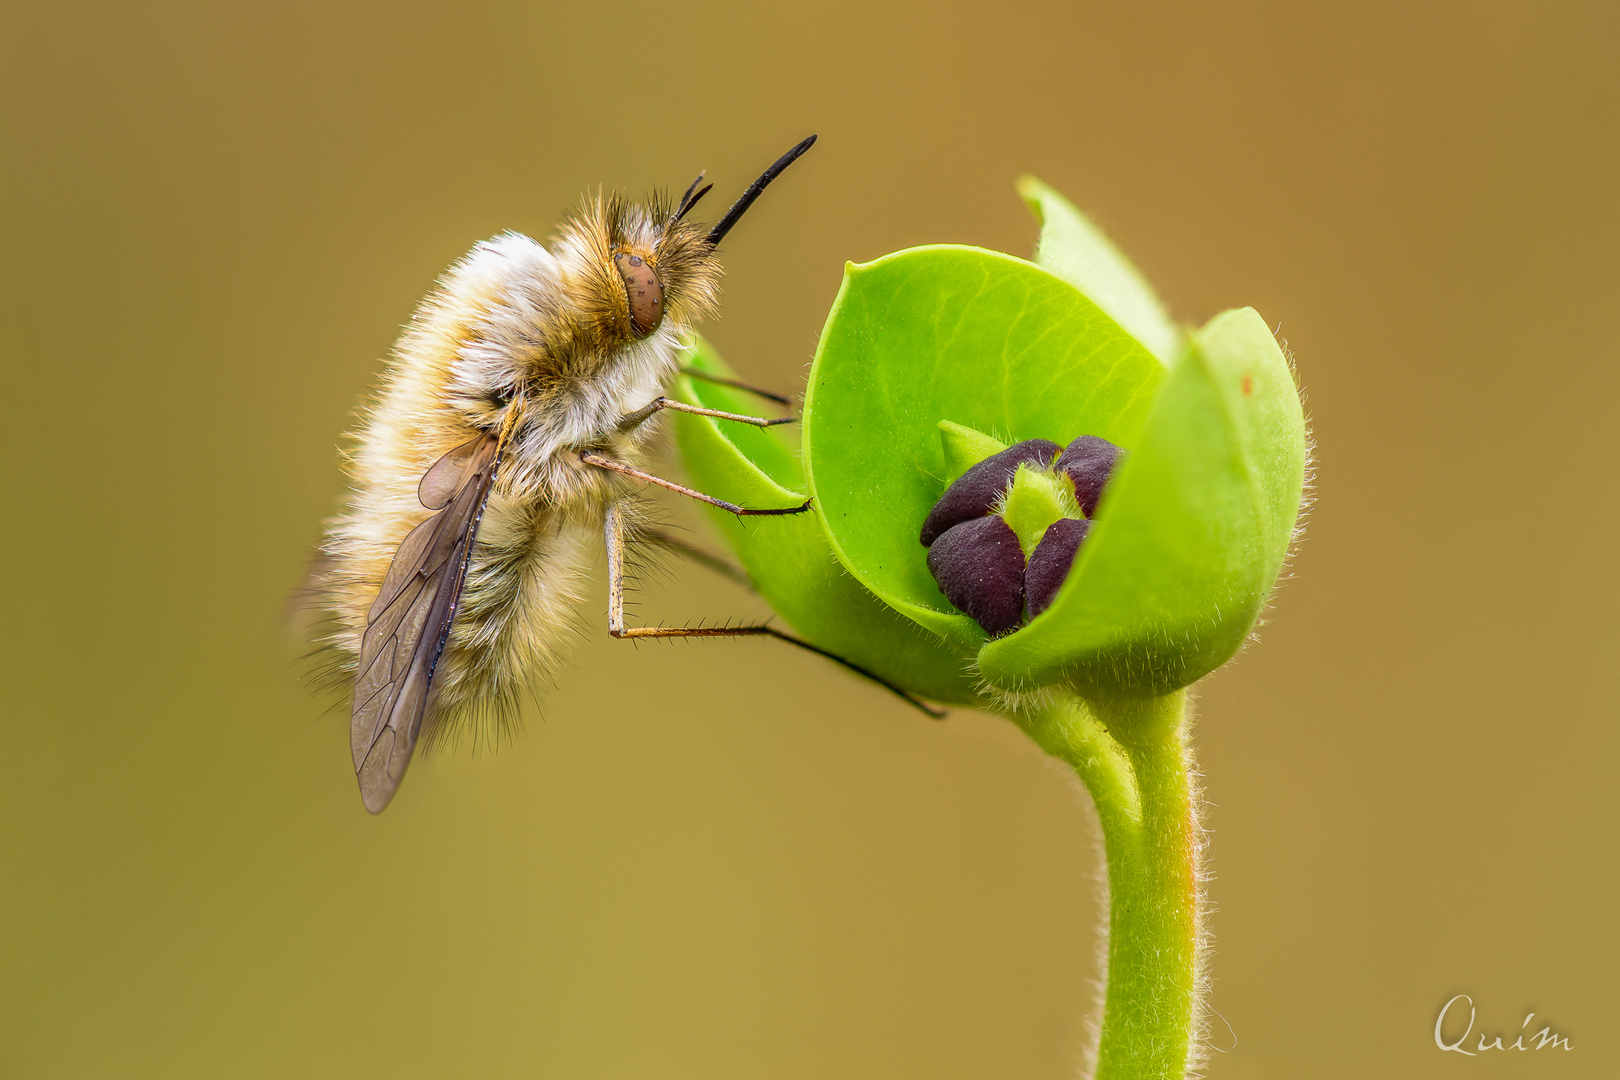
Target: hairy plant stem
1133, 757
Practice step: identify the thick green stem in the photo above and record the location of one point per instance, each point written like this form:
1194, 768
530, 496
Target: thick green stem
1132, 756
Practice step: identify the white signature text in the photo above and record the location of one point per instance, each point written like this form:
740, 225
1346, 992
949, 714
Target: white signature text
1540, 1039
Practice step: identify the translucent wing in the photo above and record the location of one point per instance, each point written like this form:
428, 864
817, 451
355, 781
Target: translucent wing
411, 618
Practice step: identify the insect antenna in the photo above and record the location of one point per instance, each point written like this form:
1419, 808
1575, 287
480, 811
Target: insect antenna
690, 200
741, 206
687, 198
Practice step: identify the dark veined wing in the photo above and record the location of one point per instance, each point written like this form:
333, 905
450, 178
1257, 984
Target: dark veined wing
410, 620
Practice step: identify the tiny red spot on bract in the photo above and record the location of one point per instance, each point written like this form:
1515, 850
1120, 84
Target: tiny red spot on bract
1248, 385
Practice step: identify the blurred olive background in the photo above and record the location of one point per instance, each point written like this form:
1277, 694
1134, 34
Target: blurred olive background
724, 859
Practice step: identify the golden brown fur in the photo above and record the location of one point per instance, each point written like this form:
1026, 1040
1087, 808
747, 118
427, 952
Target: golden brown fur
547, 333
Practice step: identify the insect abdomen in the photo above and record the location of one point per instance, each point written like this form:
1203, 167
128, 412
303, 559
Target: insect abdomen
517, 612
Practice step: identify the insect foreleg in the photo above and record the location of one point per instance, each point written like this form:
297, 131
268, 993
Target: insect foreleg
699, 373
590, 457
635, 419
613, 534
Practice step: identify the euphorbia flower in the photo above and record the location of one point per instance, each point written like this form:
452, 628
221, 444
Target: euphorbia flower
946, 380
1174, 571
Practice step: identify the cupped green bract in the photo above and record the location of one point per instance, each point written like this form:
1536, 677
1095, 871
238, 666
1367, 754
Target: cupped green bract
935, 357
1193, 528
789, 558
951, 333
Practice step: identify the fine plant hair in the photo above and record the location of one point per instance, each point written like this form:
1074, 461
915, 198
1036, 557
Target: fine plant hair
1307, 502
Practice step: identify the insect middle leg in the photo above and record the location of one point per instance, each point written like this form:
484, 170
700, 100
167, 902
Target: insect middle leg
613, 529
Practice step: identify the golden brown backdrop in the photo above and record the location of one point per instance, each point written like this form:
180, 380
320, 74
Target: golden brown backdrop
724, 860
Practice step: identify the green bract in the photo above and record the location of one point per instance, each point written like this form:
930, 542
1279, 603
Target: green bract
1191, 531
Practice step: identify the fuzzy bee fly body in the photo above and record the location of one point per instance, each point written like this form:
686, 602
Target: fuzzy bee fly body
509, 430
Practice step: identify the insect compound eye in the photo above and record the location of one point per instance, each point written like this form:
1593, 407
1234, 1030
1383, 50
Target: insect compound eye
641, 288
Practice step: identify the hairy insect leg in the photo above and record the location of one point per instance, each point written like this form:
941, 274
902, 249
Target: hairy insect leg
613, 534
718, 380
656, 405
590, 457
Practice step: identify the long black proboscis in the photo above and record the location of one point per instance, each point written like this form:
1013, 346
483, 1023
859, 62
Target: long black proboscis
741, 206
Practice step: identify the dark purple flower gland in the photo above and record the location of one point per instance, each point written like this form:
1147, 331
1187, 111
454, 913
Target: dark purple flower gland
980, 569
1089, 461
977, 490
1050, 563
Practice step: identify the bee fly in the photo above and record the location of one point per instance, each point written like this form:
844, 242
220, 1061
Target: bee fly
512, 415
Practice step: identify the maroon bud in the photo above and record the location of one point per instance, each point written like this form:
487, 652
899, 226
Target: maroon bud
977, 490
1089, 461
980, 569
1050, 563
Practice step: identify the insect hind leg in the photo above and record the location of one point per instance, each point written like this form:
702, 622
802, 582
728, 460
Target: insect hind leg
613, 530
